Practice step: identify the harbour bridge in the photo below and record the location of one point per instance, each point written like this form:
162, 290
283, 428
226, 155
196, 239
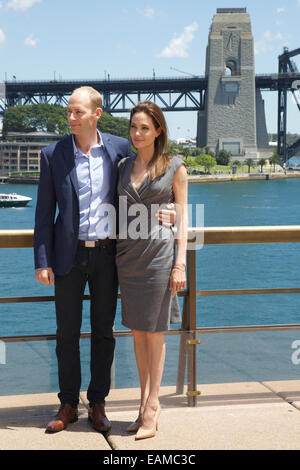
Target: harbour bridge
171, 94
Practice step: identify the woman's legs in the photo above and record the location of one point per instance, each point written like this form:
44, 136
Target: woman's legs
141, 355
150, 358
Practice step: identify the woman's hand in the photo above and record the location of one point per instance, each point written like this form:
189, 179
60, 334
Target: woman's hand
167, 216
177, 279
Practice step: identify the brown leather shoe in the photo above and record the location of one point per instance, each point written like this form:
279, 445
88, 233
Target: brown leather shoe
98, 418
66, 414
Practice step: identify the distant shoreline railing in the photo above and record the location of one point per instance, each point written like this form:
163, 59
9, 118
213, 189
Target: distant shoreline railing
188, 330
274, 76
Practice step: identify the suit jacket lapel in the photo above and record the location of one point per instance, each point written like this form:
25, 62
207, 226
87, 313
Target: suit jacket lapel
109, 147
69, 158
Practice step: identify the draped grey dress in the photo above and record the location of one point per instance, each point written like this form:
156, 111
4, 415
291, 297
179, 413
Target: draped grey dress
146, 251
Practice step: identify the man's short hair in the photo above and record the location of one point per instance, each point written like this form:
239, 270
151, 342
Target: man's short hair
95, 96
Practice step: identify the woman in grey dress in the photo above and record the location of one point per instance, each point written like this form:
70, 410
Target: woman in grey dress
149, 272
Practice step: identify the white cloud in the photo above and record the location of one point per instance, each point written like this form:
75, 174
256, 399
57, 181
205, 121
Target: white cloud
22, 5
30, 41
282, 9
269, 43
178, 46
2, 37
148, 12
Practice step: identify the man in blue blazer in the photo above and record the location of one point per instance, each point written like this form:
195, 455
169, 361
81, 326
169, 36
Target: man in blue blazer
78, 176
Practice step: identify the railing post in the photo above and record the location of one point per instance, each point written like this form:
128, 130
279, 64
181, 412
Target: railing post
182, 349
192, 392
113, 370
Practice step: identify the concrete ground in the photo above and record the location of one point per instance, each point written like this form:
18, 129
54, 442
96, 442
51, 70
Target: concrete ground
230, 416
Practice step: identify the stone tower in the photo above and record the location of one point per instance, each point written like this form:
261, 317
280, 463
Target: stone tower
234, 116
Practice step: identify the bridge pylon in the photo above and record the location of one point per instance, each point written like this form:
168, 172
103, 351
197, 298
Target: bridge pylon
234, 115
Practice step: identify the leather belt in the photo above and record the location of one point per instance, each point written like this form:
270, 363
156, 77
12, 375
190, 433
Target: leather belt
95, 243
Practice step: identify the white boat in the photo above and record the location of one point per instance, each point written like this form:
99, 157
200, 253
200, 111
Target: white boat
13, 200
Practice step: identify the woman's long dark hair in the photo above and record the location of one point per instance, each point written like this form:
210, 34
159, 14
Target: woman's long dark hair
161, 158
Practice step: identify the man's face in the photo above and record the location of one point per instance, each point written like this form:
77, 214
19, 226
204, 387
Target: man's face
82, 116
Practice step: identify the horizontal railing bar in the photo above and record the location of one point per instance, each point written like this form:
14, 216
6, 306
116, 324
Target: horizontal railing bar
205, 293
245, 235
18, 300
199, 293
205, 235
51, 298
16, 238
245, 329
26, 338
204, 330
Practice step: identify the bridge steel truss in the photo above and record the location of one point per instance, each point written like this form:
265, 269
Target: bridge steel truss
171, 94
119, 96
286, 66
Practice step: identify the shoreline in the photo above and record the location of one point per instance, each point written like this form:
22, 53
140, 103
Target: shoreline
240, 177
191, 178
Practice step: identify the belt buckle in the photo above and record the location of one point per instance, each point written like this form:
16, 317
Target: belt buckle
90, 244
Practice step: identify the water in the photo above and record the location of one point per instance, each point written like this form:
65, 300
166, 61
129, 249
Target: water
31, 367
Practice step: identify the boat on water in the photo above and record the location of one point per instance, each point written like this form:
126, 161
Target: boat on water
13, 200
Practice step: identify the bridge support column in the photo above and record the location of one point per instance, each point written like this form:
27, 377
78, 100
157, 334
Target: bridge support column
231, 94
201, 129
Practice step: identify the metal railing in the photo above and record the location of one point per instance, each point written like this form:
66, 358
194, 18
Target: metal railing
188, 330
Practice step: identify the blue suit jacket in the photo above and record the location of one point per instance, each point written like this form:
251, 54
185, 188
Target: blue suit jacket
56, 239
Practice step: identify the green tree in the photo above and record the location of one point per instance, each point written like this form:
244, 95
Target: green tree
207, 161
275, 160
196, 151
262, 162
186, 152
223, 157
36, 117
114, 125
250, 163
207, 150
14, 120
53, 118
191, 162
173, 148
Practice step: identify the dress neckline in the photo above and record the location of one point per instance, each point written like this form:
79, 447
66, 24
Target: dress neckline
130, 181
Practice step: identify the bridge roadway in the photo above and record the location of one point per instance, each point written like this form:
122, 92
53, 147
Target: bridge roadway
184, 94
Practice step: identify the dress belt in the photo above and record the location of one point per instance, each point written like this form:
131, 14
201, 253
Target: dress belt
94, 243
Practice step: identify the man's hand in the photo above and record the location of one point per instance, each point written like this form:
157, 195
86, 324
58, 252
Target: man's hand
167, 216
45, 276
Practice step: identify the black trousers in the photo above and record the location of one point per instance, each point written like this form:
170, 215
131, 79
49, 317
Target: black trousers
97, 267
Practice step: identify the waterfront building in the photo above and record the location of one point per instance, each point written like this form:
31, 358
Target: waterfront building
186, 142
20, 152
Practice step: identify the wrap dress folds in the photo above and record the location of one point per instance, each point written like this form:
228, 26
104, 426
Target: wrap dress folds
146, 251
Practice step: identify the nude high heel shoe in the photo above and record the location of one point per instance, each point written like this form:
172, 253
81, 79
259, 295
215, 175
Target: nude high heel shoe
148, 433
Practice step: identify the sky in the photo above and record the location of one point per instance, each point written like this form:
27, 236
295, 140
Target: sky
75, 39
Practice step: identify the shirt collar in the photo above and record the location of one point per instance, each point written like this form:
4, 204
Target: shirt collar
78, 153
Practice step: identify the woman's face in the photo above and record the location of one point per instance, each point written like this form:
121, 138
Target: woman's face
142, 131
